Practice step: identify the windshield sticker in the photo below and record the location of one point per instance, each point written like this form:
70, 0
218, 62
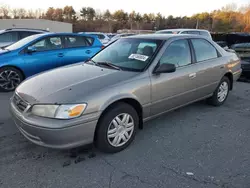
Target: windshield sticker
138, 57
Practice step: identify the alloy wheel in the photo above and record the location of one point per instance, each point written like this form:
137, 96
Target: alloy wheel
9, 79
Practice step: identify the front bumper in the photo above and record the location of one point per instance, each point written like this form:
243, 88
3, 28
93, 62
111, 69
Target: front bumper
67, 134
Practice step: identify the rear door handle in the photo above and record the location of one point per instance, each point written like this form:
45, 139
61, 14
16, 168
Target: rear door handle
193, 75
60, 55
88, 51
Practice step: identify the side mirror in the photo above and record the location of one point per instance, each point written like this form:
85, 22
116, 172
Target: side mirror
165, 68
31, 49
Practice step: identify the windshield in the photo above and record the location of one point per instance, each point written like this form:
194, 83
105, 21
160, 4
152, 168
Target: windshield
22, 42
129, 53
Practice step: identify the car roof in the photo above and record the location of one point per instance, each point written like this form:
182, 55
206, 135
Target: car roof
23, 29
184, 29
62, 34
165, 37
94, 33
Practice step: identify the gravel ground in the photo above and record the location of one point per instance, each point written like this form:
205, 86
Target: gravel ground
196, 146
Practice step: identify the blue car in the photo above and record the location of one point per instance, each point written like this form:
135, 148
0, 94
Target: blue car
41, 52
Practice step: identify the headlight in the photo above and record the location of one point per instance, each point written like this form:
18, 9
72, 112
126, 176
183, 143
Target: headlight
68, 111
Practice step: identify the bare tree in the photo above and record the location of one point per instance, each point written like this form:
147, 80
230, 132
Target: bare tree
230, 7
15, 13
38, 13
4, 11
31, 14
21, 12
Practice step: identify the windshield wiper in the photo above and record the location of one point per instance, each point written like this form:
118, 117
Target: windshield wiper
90, 60
109, 65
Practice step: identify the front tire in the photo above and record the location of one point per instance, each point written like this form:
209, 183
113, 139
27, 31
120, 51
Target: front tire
10, 78
221, 93
117, 128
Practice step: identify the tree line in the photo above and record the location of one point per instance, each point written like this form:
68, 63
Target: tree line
229, 18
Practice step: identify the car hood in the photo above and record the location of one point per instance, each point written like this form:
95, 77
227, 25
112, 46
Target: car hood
70, 84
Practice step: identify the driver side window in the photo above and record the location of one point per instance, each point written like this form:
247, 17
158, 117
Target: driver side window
177, 53
50, 43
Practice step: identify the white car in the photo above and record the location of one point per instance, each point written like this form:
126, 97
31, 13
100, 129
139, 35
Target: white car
202, 32
101, 36
118, 36
12, 35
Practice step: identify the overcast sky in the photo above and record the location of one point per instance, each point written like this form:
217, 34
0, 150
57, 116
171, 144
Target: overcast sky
174, 7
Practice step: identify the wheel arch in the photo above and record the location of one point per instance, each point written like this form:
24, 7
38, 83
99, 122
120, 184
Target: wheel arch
229, 75
128, 100
16, 67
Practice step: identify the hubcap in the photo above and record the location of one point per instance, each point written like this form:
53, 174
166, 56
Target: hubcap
120, 130
222, 92
9, 80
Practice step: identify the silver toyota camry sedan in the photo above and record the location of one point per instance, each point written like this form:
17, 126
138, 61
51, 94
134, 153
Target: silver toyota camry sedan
106, 99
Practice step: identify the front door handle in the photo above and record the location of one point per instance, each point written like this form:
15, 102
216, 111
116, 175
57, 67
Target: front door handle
60, 55
193, 75
88, 51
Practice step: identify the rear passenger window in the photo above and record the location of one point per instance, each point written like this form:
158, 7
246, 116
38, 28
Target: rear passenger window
204, 50
76, 41
177, 53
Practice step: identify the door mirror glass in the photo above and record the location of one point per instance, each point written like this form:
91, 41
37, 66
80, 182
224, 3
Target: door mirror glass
165, 68
31, 49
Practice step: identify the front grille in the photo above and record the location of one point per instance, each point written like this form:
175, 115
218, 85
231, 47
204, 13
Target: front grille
19, 103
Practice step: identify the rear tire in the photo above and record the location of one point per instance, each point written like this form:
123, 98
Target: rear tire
221, 93
10, 78
117, 128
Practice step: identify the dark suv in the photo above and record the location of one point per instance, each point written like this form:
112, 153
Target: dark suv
10, 36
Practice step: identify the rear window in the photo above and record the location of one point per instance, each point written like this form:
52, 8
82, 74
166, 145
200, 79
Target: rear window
90, 40
168, 32
204, 33
101, 36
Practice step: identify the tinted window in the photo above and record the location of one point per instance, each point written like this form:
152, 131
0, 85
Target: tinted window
168, 32
204, 33
76, 41
9, 37
129, 54
22, 42
50, 43
24, 34
90, 40
101, 36
204, 50
194, 32
178, 53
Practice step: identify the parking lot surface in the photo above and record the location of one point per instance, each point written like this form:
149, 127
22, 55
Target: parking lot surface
196, 146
